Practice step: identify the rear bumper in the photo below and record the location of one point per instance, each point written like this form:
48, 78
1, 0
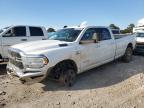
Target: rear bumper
29, 77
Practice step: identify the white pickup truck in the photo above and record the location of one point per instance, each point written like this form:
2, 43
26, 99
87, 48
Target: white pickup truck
18, 34
139, 31
139, 42
68, 52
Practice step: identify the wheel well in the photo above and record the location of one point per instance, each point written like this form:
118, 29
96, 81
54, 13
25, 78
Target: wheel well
130, 45
61, 66
70, 63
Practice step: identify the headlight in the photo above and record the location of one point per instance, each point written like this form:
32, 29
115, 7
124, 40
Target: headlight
36, 61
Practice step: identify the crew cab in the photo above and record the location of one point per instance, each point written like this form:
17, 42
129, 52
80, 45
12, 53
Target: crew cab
18, 34
68, 52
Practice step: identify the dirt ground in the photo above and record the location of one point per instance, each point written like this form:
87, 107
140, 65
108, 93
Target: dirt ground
114, 85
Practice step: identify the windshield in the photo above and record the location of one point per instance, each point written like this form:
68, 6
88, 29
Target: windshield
69, 34
140, 34
50, 34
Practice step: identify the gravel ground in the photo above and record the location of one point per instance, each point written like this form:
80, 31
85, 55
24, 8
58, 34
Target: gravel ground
114, 85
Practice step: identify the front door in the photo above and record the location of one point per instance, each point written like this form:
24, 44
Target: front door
13, 36
89, 52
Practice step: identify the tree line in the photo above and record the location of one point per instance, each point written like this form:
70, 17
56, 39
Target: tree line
129, 28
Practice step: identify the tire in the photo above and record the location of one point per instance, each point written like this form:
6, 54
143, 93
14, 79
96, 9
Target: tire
68, 78
128, 55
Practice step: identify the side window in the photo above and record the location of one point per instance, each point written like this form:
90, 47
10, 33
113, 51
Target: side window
19, 31
88, 35
104, 34
16, 32
8, 34
36, 31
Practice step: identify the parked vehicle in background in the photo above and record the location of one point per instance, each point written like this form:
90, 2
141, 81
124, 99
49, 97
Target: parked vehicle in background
139, 27
139, 42
68, 52
139, 31
18, 34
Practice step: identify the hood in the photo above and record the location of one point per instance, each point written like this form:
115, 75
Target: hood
39, 46
140, 39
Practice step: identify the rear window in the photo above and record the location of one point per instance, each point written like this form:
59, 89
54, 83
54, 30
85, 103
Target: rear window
36, 31
115, 31
103, 34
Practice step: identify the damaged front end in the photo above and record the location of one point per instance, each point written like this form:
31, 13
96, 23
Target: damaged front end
28, 68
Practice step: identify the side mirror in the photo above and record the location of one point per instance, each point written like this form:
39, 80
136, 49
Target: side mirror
95, 37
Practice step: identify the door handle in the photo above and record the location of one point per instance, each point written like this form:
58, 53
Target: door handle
44, 39
23, 39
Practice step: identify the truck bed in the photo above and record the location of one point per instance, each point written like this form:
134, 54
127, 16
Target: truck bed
122, 41
118, 36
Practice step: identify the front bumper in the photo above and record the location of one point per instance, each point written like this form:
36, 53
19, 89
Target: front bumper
29, 77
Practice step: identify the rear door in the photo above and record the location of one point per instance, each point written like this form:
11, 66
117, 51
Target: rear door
36, 33
90, 53
13, 36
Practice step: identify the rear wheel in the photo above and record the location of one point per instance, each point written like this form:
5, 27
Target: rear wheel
128, 55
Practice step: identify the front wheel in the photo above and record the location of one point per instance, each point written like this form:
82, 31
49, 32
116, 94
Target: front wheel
68, 78
128, 55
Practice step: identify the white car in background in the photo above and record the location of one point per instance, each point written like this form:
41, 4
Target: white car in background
139, 42
139, 31
19, 34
